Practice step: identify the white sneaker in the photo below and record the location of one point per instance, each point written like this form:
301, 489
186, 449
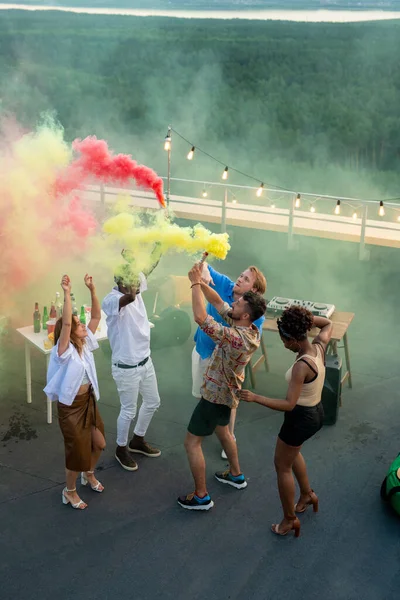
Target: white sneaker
223, 453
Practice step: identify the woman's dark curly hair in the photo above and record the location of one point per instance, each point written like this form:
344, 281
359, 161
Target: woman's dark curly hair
295, 322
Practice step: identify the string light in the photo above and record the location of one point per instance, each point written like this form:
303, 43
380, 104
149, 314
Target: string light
312, 208
234, 201
167, 141
204, 193
272, 205
398, 218
191, 153
337, 208
354, 215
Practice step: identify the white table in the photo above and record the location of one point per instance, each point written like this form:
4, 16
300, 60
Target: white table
37, 341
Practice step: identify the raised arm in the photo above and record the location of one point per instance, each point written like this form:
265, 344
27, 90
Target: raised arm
198, 306
211, 296
129, 296
200, 290
63, 342
96, 311
326, 326
155, 258
219, 281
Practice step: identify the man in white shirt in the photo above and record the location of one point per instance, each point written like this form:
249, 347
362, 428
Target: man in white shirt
132, 367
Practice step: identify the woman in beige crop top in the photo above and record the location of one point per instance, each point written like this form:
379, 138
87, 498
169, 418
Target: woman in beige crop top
303, 410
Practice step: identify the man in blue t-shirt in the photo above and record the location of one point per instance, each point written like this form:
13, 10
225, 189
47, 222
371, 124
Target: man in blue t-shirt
252, 279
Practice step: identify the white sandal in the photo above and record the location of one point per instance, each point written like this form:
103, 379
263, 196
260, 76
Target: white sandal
80, 505
96, 488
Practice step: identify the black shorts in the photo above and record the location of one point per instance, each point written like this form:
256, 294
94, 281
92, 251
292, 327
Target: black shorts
301, 423
207, 416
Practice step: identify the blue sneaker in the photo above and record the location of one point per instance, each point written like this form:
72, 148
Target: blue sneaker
239, 482
193, 502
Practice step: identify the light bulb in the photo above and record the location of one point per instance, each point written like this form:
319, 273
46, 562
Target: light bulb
260, 190
272, 205
297, 201
204, 194
234, 201
312, 209
354, 215
337, 208
381, 211
225, 173
398, 218
191, 154
167, 143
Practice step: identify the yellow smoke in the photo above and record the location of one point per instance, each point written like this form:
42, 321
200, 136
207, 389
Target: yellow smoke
146, 237
35, 254
29, 166
127, 231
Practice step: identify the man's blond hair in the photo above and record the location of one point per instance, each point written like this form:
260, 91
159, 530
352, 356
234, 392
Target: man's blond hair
260, 283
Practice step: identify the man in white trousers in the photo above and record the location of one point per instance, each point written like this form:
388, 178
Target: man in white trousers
132, 367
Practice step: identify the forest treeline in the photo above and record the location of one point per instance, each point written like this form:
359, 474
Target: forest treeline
230, 4
315, 93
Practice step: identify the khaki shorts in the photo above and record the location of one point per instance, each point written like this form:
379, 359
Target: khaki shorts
199, 367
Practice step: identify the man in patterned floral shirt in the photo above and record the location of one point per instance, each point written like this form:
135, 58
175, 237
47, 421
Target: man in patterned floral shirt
223, 379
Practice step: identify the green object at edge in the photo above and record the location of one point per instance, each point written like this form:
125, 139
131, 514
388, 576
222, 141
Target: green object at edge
392, 485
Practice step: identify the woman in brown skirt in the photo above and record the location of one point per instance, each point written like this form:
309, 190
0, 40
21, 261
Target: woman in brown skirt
72, 382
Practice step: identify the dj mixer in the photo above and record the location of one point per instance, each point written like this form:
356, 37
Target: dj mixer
319, 309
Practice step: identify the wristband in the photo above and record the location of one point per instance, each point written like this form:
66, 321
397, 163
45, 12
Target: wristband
198, 283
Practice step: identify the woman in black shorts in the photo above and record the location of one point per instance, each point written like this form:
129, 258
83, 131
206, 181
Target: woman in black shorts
302, 408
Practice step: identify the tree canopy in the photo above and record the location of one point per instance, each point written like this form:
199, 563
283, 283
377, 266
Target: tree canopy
319, 94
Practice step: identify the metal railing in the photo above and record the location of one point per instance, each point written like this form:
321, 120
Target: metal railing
354, 219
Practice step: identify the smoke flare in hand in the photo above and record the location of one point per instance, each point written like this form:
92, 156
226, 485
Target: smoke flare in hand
126, 230
96, 160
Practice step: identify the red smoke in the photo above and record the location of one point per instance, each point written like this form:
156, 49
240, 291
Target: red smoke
76, 218
51, 222
96, 160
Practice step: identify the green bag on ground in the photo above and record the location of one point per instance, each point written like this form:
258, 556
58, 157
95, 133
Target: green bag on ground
390, 489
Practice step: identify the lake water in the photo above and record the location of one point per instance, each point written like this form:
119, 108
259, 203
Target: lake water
308, 16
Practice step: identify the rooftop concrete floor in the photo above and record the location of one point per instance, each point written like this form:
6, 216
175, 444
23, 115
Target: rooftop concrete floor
135, 541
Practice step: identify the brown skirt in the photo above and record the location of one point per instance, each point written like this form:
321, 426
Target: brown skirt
76, 423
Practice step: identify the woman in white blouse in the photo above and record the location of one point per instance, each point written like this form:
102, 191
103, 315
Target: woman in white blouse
72, 382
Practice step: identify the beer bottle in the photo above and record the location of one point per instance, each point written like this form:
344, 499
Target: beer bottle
74, 309
45, 318
59, 305
53, 312
36, 319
